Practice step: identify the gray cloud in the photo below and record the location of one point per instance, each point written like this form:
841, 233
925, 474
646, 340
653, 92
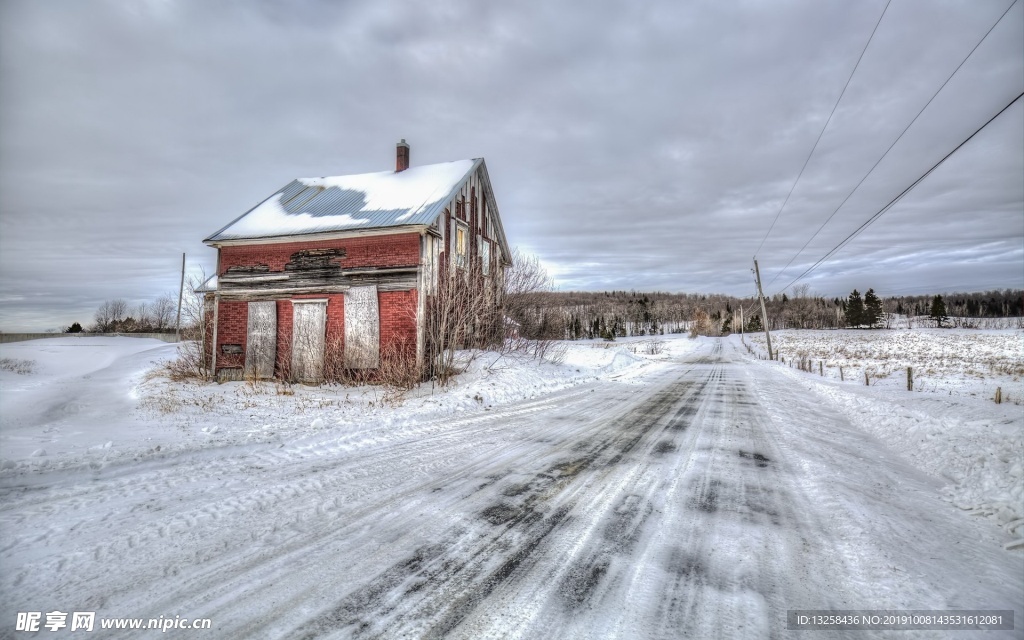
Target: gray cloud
640, 145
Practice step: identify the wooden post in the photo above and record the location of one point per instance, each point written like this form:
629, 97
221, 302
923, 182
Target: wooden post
841, 378
181, 291
999, 395
764, 313
821, 368
910, 379
741, 323
867, 382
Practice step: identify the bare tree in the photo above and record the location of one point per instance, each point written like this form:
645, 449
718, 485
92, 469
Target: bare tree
163, 311
471, 310
463, 313
701, 324
143, 316
110, 314
800, 308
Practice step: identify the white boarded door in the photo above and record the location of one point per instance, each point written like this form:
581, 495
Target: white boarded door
308, 337
261, 340
362, 328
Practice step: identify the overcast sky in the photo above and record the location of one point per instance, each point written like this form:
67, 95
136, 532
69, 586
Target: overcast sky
631, 145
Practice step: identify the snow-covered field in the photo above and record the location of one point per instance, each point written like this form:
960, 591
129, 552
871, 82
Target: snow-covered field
949, 426
961, 362
614, 493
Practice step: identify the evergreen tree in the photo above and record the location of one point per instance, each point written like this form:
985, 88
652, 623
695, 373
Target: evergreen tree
873, 313
854, 310
727, 325
754, 324
74, 328
938, 311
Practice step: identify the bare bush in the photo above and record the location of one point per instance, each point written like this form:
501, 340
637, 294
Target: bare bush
465, 313
653, 347
194, 352
396, 372
21, 367
191, 363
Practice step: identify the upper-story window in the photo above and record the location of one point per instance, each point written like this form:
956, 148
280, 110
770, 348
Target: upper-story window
485, 256
461, 245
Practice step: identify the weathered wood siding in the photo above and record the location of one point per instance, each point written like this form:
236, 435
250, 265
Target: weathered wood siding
273, 271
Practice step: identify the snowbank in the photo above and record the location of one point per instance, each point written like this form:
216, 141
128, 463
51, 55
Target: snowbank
98, 401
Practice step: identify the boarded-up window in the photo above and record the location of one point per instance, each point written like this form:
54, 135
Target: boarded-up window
261, 340
362, 328
308, 337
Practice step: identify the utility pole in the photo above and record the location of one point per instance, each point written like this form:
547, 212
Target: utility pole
741, 323
764, 313
181, 291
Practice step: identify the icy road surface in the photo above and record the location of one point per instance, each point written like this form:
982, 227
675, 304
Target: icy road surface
702, 502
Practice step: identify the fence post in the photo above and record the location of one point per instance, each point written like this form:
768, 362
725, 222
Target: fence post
999, 395
867, 382
910, 379
821, 368
841, 378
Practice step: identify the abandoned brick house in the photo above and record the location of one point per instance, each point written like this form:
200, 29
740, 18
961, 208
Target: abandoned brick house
342, 267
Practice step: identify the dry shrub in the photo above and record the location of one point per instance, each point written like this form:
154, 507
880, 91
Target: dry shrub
21, 367
191, 363
651, 347
397, 371
547, 349
463, 315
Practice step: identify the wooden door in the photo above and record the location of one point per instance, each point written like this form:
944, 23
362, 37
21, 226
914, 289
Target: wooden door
362, 328
261, 340
309, 330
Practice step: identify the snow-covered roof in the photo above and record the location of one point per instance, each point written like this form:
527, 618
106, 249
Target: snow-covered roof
342, 203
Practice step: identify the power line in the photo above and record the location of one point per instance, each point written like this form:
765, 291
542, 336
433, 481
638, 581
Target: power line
892, 202
834, 107
900, 137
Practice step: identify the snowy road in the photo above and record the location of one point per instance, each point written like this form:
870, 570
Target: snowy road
702, 502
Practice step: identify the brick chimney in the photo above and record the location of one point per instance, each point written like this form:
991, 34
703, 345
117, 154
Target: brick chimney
402, 156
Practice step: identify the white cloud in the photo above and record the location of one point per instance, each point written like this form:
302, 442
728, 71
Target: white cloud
645, 145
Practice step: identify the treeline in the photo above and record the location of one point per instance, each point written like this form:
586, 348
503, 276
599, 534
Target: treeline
1008, 303
610, 314
156, 316
116, 316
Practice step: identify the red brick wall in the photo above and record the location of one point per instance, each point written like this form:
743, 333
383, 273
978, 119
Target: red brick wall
397, 250
397, 308
232, 320
398, 320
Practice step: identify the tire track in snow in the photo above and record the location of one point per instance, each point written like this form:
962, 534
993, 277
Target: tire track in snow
522, 517
674, 509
